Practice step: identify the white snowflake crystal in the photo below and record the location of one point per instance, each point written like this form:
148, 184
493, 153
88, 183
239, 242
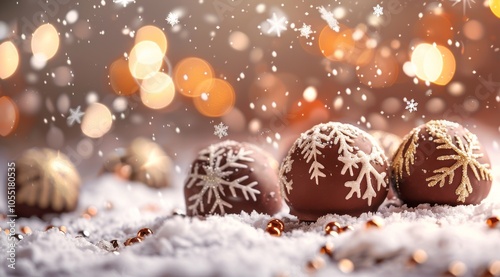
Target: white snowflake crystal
221, 162
465, 3
305, 30
329, 18
123, 2
172, 18
277, 24
311, 144
378, 10
220, 130
411, 105
75, 115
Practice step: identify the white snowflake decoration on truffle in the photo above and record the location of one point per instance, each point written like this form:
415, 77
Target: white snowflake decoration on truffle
378, 10
222, 163
123, 2
329, 18
172, 18
305, 30
311, 144
411, 105
220, 130
277, 24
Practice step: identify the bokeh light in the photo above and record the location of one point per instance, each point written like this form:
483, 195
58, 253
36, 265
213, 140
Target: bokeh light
9, 59
9, 116
45, 41
154, 34
449, 66
158, 91
215, 101
120, 78
433, 63
495, 7
239, 41
145, 59
97, 121
190, 73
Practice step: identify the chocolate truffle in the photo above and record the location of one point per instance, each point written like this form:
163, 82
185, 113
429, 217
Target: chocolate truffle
46, 182
334, 168
231, 177
441, 162
143, 161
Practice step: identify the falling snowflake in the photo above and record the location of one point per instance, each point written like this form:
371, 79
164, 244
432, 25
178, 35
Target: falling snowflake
305, 30
75, 116
172, 18
411, 105
123, 2
311, 144
464, 2
378, 10
220, 130
464, 157
329, 18
277, 24
222, 161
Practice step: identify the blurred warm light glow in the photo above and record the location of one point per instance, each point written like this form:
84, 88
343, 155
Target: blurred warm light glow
433, 63
381, 71
154, 34
495, 7
45, 41
473, 30
97, 121
434, 28
145, 59
190, 73
158, 91
63, 76
9, 59
239, 41
449, 66
218, 100
9, 116
349, 45
120, 78
310, 94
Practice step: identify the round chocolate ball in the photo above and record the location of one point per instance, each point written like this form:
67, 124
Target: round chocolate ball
46, 182
231, 177
334, 168
441, 162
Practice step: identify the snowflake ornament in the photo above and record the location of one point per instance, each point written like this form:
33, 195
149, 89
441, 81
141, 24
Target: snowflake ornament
75, 116
277, 25
378, 10
220, 130
172, 18
124, 3
329, 18
305, 30
411, 105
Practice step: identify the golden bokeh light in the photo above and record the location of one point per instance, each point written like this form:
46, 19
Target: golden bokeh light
449, 66
120, 78
215, 101
158, 91
239, 41
154, 34
9, 116
495, 7
97, 121
45, 41
190, 73
145, 59
382, 71
335, 46
427, 62
9, 59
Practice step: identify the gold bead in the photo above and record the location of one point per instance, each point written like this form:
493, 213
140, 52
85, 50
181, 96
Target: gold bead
315, 264
63, 229
92, 211
327, 249
346, 228
418, 257
332, 228
375, 222
49, 227
276, 223
131, 241
456, 269
26, 230
492, 221
346, 266
273, 231
493, 269
144, 232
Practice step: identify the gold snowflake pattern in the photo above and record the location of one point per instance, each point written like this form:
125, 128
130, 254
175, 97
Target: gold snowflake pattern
403, 159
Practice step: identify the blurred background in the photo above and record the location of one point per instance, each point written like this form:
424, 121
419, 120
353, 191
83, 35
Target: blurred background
87, 77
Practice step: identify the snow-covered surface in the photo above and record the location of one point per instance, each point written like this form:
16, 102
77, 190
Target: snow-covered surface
236, 245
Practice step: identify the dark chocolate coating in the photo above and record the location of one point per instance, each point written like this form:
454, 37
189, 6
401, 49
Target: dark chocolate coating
309, 200
414, 187
262, 170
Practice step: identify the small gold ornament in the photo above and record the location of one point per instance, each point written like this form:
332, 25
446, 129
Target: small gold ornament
131, 241
144, 232
276, 223
327, 249
332, 228
375, 222
492, 222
